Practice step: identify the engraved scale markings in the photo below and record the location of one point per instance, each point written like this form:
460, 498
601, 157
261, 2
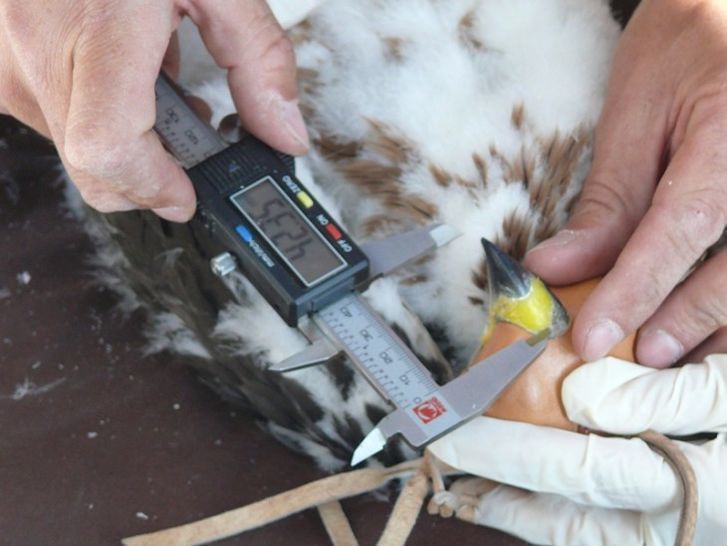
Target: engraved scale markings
387, 363
190, 139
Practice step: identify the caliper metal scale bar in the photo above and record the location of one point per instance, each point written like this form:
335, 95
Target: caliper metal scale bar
184, 134
328, 309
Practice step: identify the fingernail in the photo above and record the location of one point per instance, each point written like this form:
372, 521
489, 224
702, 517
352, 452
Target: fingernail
293, 120
600, 338
658, 348
174, 214
562, 238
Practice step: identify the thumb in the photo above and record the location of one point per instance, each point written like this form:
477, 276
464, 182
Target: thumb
627, 154
245, 38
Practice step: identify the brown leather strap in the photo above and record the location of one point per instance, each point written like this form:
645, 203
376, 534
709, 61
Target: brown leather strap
276, 507
337, 524
690, 496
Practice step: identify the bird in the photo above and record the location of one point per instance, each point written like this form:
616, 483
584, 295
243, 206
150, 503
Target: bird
419, 112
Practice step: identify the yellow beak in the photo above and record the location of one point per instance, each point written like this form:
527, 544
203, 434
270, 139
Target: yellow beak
519, 297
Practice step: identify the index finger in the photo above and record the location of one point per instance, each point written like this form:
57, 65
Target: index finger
244, 37
687, 216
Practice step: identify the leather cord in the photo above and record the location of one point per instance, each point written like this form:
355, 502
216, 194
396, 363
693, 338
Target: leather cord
690, 490
324, 494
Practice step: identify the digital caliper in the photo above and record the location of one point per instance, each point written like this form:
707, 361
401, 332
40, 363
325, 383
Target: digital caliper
306, 266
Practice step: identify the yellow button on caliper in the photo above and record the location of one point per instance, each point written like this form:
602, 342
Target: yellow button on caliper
304, 199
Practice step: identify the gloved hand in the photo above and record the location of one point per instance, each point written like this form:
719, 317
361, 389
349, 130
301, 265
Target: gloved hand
565, 488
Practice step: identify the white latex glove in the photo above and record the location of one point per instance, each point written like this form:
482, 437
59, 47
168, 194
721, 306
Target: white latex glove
564, 488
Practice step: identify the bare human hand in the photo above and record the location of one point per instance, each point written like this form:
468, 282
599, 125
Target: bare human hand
656, 197
82, 73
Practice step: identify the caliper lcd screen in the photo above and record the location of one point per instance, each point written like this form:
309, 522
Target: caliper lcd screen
288, 231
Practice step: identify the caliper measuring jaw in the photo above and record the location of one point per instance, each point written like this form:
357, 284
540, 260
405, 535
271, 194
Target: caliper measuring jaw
463, 398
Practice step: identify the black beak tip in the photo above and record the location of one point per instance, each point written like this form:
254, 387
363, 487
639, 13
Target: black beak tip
489, 247
506, 276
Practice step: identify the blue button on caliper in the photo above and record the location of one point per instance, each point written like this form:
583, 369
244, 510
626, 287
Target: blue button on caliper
244, 233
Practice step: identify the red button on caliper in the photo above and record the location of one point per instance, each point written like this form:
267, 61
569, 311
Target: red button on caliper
333, 230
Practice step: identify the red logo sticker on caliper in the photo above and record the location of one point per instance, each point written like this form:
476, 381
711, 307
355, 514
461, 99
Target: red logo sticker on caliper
429, 410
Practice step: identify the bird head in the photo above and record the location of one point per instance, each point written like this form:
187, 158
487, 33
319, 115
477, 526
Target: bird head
519, 297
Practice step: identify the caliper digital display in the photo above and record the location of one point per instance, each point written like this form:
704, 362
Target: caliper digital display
282, 239
271, 228
291, 234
